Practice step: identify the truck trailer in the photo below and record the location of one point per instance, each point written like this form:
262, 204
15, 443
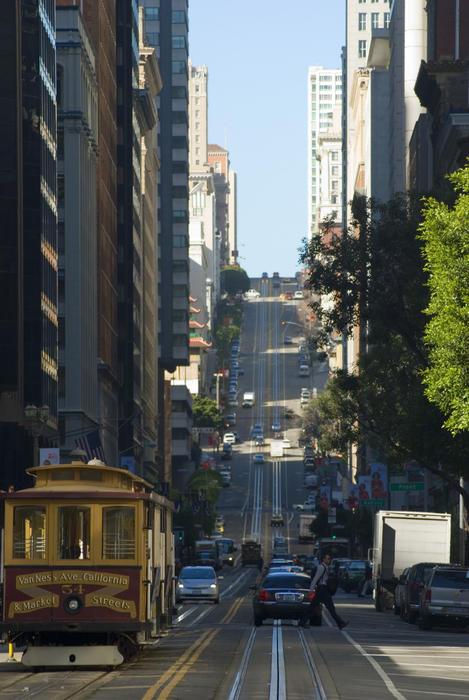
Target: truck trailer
249, 399
304, 527
402, 539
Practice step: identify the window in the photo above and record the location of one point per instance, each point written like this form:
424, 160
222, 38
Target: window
178, 92
387, 18
179, 42
152, 13
197, 138
197, 100
179, 192
179, 17
334, 155
218, 166
153, 38
361, 2
118, 532
179, 290
197, 114
29, 532
180, 339
335, 170
179, 166
362, 21
179, 216
374, 1
362, 48
197, 125
375, 20
73, 539
335, 184
178, 67
334, 199
197, 151
180, 241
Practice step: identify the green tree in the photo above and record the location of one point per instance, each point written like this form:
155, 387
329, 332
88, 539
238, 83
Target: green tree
379, 284
224, 336
445, 232
205, 413
233, 279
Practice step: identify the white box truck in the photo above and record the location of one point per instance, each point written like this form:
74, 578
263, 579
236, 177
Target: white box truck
402, 539
249, 399
304, 532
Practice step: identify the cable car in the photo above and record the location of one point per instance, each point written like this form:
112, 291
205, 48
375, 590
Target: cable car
88, 561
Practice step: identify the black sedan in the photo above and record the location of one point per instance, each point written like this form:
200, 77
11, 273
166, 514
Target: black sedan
283, 596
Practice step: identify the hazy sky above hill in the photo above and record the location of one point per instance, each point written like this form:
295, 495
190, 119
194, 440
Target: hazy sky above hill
257, 53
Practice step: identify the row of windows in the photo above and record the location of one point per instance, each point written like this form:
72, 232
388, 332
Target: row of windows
362, 2
362, 18
31, 537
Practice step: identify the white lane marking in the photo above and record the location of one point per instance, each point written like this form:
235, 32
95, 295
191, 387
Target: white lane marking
238, 682
432, 692
383, 675
236, 583
185, 614
320, 692
278, 690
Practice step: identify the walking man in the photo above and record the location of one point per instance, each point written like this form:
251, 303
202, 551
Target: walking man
319, 582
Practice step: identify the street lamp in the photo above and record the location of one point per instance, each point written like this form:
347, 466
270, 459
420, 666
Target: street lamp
35, 420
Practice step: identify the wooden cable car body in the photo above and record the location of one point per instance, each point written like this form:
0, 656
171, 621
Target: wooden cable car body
87, 566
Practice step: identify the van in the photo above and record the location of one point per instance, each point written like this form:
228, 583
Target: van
303, 371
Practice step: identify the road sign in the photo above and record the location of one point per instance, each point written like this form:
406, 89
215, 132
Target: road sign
377, 502
408, 486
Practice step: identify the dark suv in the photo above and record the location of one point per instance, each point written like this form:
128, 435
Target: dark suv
418, 575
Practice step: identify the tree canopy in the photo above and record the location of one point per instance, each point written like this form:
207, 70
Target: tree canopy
233, 279
205, 413
376, 278
445, 233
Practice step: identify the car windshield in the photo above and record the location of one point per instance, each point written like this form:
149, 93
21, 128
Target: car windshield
451, 579
290, 581
204, 572
357, 565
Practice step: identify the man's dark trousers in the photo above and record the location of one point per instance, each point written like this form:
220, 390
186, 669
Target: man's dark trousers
323, 596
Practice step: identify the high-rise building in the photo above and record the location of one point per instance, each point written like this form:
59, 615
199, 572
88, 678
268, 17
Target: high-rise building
166, 28
77, 155
28, 245
361, 19
324, 99
100, 19
218, 159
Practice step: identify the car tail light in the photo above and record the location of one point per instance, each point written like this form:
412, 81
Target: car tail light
264, 595
312, 596
428, 596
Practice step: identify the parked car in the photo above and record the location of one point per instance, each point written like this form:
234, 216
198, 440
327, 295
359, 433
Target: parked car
399, 591
352, 575
418, 574
277, 520
258, 458
444, 598
283, 596
197, 583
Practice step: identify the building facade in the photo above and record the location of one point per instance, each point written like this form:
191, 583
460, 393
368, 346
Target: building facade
324, 98
28, 238
77, 156
100, 19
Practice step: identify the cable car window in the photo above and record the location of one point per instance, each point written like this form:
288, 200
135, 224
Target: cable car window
29, 532
119, 532
91, 475
63, 475
74, 532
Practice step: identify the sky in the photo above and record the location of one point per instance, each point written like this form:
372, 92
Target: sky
257, 53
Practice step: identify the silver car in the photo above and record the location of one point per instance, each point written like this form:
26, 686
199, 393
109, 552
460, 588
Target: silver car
445, 597
197, 583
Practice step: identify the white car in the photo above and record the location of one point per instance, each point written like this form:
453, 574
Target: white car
298, 294
252, 294
229, 438
286, 444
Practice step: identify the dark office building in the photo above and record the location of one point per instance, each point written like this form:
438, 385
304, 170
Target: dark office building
166, 29
129, 233
28, 248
